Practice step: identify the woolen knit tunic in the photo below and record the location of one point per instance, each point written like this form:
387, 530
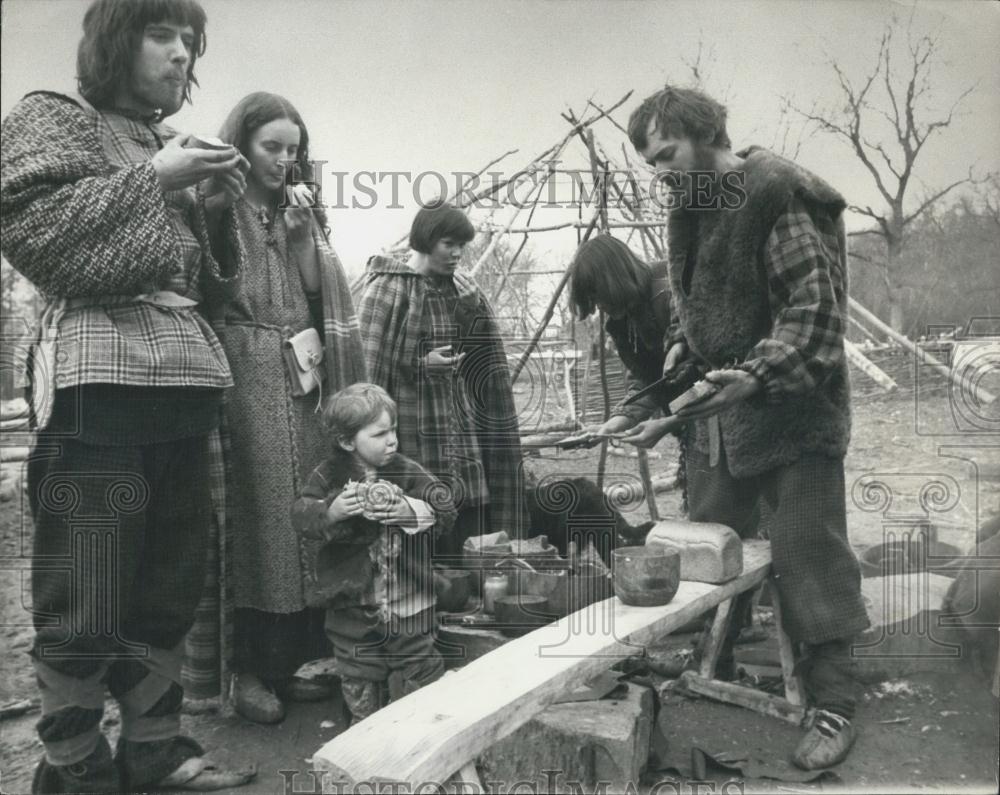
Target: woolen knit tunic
275, 439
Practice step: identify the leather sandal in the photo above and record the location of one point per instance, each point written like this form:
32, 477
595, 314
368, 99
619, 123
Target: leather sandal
255, 701
202, 775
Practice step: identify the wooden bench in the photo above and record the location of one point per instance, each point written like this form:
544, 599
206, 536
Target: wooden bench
439, 730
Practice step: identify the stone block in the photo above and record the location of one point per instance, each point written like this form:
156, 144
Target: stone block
581, 744
709, 552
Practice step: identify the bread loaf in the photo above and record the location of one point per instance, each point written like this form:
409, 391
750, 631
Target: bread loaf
709, 552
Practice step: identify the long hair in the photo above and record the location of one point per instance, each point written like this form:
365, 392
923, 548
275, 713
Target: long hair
260, 108
112, 35
606, 271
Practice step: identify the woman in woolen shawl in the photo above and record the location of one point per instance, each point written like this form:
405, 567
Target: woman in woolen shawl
432, 342
293, 280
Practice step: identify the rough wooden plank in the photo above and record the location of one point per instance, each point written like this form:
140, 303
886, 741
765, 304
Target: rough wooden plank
786, 654
433, 732
469, 777
741, 696
716, 636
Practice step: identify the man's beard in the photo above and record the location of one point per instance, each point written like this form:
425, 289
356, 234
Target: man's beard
160, 96
702, 182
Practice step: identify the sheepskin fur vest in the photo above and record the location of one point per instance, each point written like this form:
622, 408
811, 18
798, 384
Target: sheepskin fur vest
722, 299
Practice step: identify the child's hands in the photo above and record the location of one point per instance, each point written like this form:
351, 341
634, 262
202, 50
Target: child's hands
398, 512
347, 504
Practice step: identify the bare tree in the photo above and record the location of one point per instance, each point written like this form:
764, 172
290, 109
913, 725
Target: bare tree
886, 121
989, 197
789, 132
703, 67
510, 291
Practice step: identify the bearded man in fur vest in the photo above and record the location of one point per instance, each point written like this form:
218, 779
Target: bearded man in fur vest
758, 273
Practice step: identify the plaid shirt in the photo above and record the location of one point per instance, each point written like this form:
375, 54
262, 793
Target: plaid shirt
85, 219
805, 260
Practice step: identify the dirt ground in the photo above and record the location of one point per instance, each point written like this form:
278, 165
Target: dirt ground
929, 731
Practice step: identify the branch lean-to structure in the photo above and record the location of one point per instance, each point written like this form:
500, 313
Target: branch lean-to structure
620, 205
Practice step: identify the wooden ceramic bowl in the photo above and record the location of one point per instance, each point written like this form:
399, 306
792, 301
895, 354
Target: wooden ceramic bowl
646, 576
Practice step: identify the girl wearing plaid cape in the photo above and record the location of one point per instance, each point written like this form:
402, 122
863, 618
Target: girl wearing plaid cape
293, 280
431, 341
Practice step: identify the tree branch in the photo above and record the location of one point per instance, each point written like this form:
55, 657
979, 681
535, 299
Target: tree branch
881, 219
934, 197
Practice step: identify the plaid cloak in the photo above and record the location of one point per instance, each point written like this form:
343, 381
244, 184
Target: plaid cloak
462, 427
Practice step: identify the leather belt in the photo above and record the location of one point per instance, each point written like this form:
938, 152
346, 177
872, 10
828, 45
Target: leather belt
164, 298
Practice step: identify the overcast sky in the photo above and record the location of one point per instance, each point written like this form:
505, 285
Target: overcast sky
445, 86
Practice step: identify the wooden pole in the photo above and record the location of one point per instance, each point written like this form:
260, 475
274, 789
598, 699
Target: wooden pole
602, 462
588, 326
588, 360
860, 326
460, 190
579, 225
568, 384
859, 360
647, 483
578, 126
742, 696
599, 173
554, 427
984, 396
715, 638
524, 240
549, 311
642, 455
533, 199
786, 652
